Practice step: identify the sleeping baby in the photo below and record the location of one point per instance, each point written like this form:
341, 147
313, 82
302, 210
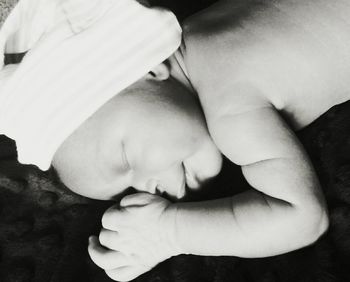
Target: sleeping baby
115, 96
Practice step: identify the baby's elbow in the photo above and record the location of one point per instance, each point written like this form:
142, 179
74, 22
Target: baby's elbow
322, 225
316, 226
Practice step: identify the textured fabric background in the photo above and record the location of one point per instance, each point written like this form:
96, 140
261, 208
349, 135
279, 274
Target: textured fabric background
44, 228
5, 8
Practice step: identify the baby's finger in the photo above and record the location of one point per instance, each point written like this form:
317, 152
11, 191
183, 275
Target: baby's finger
104, 258
114, 218
110, 239
137, 199
126, 273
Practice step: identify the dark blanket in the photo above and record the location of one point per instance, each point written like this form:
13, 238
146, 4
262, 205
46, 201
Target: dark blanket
44, 228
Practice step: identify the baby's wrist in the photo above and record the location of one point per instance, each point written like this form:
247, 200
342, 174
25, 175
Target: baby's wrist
168, 229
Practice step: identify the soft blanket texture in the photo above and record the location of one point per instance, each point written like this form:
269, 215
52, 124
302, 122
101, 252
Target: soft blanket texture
44, 228
5, 8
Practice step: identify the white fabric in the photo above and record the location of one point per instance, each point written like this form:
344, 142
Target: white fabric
82, 53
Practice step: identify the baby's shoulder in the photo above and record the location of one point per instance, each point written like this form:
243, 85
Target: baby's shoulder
233, 100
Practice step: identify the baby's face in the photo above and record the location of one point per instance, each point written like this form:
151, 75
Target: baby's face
152, 137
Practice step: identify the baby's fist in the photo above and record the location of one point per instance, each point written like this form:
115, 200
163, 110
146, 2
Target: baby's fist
138, 233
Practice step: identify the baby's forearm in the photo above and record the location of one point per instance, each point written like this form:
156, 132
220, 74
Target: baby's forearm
250, 224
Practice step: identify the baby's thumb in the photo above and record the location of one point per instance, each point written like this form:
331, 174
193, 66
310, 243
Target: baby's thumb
137, 199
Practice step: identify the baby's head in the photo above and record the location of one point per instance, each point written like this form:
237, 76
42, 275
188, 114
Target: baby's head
82, 100
152, 136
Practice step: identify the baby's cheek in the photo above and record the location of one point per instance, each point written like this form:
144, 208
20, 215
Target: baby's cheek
86, 185
158, 157
207, 161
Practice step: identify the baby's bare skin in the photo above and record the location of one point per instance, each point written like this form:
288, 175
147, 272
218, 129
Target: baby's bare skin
291, 54
260, 72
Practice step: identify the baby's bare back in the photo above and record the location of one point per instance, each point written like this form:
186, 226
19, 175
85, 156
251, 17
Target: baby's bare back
293, 55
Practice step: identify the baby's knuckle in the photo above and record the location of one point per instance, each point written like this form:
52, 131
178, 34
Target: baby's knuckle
103, 238
111, 221
106, 221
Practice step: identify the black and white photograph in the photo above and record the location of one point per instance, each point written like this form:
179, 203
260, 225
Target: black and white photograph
175, 141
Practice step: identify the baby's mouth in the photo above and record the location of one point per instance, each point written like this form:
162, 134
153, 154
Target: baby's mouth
175, 194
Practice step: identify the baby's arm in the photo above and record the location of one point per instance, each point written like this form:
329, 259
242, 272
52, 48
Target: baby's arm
284, 212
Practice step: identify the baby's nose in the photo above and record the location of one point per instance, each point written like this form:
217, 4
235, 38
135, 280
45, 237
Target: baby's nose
172, 181
151, 186
145, 184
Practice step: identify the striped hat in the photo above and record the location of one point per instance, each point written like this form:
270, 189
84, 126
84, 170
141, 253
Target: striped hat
81, 54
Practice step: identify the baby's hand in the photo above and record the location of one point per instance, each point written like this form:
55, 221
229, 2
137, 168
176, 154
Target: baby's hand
134, 238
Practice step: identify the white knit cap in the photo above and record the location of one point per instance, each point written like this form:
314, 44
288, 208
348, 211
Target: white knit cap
82, 53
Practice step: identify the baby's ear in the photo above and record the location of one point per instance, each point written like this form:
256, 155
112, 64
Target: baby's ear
160, 72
